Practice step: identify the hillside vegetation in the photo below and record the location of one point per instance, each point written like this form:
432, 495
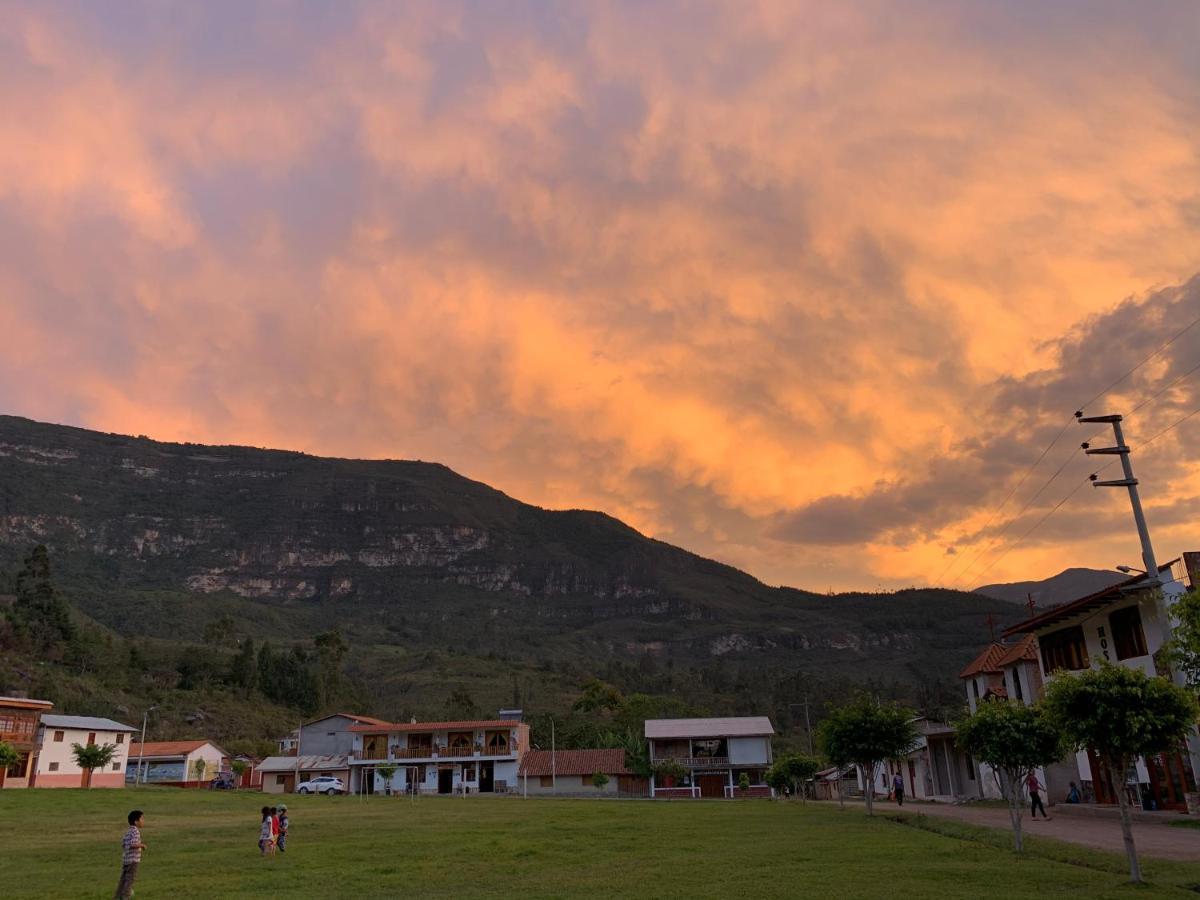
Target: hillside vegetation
176, 557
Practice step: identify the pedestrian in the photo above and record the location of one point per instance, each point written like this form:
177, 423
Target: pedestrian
1035, 798
131, 855
283, 827
898, 788
1073, 793
266, 840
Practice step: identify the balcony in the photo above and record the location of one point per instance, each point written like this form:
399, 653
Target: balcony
695, 762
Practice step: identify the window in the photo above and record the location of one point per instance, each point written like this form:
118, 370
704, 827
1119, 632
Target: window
281, 779
116, 767
547, 781
58, 737
1129, 639
975, 687
497, 743
53, 767
91, 738
121, 737
1064, 649
1016, 673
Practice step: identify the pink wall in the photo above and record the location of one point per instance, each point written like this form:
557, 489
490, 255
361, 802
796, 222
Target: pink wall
74, 780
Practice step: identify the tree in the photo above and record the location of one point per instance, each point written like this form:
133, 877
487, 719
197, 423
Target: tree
198, 768
386, 772
793, 770
866, 733
1013, 739
90, 757
1121, 714
39, 614
598, 696
1184, 647
460, 706
238, 767
242, 670
219, 631
743, 782
8, 757
599, 780
668, 770
331, 650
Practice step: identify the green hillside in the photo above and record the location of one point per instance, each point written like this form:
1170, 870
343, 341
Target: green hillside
436, 583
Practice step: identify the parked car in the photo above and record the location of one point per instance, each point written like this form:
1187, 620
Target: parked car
322, 784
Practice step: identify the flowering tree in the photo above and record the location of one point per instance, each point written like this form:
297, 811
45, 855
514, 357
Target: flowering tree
866, 733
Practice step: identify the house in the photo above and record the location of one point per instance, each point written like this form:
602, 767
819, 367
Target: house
281, 774
439, 757
19, 718
565, 772
57, 735
251, 776
983, 676
327, 736
1126, 624
178, 763
826, 783
711, 755
935, 769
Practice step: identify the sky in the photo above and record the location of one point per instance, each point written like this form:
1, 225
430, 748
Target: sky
804, 287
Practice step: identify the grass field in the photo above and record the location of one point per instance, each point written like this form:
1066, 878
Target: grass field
66, 843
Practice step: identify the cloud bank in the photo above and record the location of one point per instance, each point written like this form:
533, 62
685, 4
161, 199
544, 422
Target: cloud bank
801, 287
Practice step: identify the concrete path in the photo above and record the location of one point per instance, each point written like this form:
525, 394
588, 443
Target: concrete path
1161, 841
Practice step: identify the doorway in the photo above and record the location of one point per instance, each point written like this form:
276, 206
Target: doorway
487, 777
711, 785
1170, 778
445, 781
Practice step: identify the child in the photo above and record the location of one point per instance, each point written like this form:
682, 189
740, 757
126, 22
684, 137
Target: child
266, 837
131, 855
283, 827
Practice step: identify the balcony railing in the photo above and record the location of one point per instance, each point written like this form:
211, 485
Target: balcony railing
400, 753
695, 762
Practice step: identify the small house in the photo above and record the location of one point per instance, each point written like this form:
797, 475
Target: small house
57, 737
177, 763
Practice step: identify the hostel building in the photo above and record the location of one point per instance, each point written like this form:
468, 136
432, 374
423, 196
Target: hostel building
19, 719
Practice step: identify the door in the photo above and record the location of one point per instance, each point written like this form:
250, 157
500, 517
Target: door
445, 781
487, 777
711, 785
1102, 785
912, 779
1168, 779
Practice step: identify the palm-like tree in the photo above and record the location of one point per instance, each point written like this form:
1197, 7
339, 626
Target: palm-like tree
92, 756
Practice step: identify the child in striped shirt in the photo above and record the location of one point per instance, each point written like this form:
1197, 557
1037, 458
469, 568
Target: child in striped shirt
131, 855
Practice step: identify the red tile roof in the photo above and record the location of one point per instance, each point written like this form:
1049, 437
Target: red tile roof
168, 748
437, 726
987, 661
1024, 649
537, 763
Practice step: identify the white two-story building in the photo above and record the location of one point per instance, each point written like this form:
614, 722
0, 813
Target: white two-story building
1126, 624
710, 756
480, 756
56, 765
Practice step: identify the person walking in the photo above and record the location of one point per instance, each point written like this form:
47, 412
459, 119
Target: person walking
1035, 797
283, 827
898, 788
131, 855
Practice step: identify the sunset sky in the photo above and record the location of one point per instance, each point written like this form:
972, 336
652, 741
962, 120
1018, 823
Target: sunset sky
804, 287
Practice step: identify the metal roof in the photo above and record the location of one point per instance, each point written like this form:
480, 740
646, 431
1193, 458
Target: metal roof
306, 763
734, 726
468, 725
84, 723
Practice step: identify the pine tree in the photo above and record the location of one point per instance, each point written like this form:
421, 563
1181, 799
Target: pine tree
40, 614
243, 670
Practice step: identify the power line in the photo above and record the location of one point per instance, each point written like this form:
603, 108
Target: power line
1192, 324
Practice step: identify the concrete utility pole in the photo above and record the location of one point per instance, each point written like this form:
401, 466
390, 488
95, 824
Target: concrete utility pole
141, 773
1129, 482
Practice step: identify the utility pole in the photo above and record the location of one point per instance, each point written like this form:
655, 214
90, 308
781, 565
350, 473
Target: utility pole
807, 722
141, 773
991, 624
1122, 450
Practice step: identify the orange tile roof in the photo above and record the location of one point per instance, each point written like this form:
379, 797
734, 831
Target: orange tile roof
537, 763
1024, 649
437, 726
25, 703
987, 661
168, 748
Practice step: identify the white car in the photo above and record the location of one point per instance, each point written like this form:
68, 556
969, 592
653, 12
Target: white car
322, 784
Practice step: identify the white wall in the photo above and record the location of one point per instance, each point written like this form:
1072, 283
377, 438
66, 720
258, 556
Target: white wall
62, 753
749, 751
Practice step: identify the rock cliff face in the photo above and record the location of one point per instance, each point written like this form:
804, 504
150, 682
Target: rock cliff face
128, 518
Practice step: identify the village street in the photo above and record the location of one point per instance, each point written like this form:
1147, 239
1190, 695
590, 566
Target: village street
1100, 833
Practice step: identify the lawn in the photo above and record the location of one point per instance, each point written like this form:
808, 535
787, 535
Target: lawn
66, 843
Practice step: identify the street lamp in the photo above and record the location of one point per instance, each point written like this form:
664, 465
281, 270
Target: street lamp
1128, 570
141, 772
